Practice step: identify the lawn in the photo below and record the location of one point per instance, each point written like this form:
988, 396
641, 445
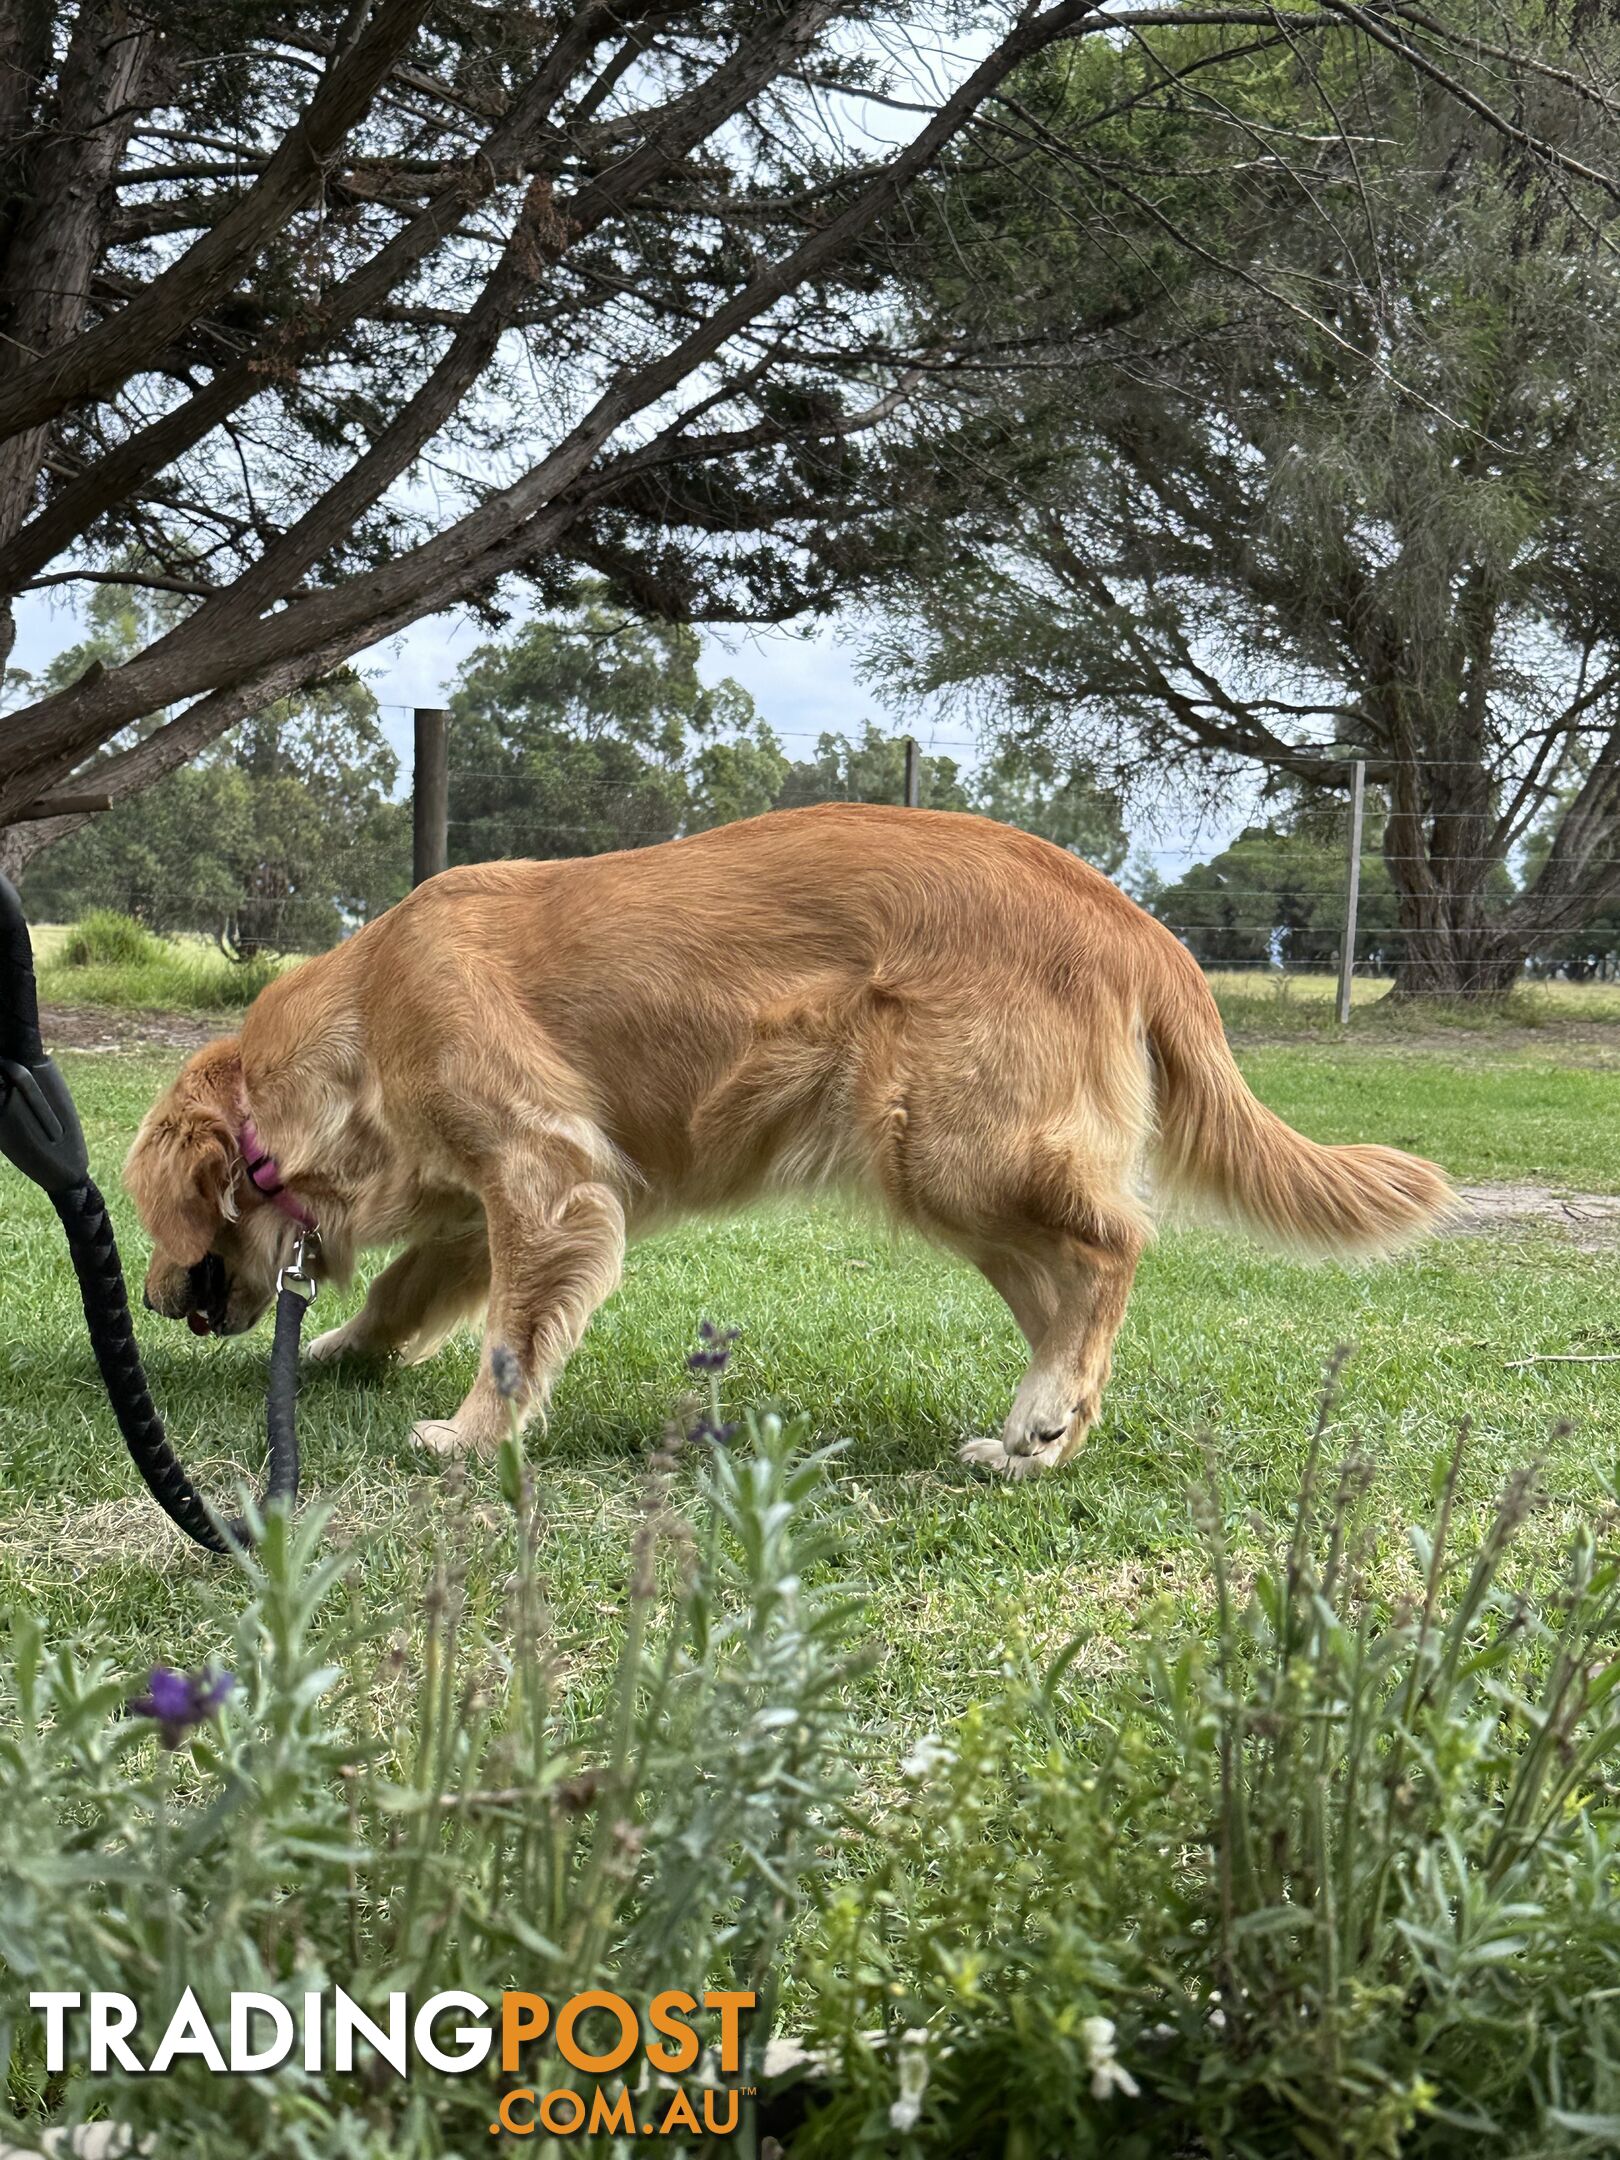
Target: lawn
901, 1353
139, 972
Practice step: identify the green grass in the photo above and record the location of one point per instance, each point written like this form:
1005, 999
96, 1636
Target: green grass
1263, 1002
186, 975
1485, 1111
895, 1349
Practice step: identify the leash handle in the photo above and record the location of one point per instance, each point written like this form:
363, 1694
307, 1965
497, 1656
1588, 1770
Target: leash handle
39, 1127
41, 1134
19, 1001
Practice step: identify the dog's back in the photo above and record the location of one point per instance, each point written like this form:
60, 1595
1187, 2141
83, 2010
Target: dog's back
959, 1011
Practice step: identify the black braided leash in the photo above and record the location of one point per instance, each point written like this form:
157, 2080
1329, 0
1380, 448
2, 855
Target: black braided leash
40, 1133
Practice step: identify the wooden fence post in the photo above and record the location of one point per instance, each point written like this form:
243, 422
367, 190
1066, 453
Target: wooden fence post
913, 774
430, 794
1352, 887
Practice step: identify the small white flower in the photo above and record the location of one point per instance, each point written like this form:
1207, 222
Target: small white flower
912, 2065
929, 1754
1108, 2073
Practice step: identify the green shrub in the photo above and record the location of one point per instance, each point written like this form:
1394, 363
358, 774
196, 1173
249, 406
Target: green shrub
1341, 1882
170, 976
213, 983
501, 1838
104, 938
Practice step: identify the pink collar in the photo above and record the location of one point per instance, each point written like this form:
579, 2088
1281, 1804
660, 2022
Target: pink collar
264, 1175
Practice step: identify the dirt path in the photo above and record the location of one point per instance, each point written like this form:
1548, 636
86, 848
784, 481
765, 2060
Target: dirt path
95, 1027
1589, 1220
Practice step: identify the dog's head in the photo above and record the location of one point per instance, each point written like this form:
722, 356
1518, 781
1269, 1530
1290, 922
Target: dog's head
216, 1247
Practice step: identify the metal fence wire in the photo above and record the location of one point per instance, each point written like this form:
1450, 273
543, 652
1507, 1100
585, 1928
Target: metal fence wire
1330, 925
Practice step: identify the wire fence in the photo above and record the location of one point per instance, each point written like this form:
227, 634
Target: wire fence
1298, 928
1269, 928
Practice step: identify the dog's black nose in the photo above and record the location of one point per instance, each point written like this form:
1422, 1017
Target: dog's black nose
146, 1300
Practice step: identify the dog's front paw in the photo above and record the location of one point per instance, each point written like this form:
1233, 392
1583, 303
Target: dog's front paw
1024, 1454
337, 1342
988, 1454
442, 1434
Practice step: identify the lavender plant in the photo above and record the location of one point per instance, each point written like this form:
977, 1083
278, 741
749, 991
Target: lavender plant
279, 1839
1338, 1877
1333, 1875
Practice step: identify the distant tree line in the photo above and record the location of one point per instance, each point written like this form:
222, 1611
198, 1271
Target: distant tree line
575, 733
592, 730
1275, 898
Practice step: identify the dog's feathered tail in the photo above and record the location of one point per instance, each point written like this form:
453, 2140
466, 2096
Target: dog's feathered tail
1224, 1151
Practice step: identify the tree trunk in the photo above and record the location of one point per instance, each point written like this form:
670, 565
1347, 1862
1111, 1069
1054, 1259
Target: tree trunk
19, 844
56, 237
1457, 963
1438, 844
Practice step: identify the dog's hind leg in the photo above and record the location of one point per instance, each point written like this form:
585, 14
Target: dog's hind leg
1025, 1286
415, 1302
556, 1247
1084, 1285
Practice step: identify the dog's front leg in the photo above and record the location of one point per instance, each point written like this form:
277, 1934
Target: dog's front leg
415, 1302
555, 1254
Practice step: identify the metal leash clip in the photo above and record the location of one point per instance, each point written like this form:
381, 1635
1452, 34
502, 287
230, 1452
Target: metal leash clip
296, 1274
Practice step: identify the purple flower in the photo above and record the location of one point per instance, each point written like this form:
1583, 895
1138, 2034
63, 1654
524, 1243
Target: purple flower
181, 1701
706, 1433
713, 1353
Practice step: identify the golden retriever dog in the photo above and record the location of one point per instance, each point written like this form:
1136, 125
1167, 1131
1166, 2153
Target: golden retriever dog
525, 1063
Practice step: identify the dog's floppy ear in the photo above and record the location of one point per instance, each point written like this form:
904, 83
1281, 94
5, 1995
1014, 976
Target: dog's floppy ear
181, 1170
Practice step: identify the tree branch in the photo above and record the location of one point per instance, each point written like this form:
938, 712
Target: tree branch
103, 357
314, 634
73, 509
